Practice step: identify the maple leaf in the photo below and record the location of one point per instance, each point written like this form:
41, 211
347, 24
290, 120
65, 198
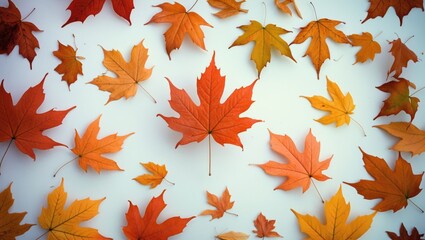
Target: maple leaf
158, 174
10, 223
402, 55
64, 223
336, 226
228, 7
221, 204
339, 108
182, 22
22, 124
404, 235
378, 8
412, 139
399, 99
265, 38
368, 47
283, 6
233, 236
301, 167
129, 74
319, 31
146, 227
89, 149
17, 32
81, 9
70, 65
211, 117
395, 188
264, 227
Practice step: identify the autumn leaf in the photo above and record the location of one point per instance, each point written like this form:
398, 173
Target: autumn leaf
10, 223
301, 167
336, 227
158, 173
265, 38
23, 125
368, 47
64, 223
88, 149
393, 187
399, 99
339, 107
319, 31
282, 5
402, 8
129, 74
211, 117
14, 31
264, 227
402, 55
146, 227
232, 236
404, 235
81, 9
227, 8
70, 65
412, 139
221, 204
182, 22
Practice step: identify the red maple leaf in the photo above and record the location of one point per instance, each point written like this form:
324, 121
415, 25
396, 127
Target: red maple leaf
378, 8
146, 227
81, 9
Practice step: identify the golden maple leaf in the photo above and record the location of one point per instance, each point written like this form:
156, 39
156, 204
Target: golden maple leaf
158, 173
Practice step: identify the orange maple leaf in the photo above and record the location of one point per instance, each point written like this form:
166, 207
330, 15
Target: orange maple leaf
146, 227
182, 22
402, 55
221, 204
336, 227
301, 167
395, 188
129, 74
232, 235
399, 99
369, 47
70, 65
22, 125
378, 8
89, 149
228, 7
158, 173
64, 223
283, 6
211, 117
265, 38
264, 227
319, 31
412, 139
10, 223
415, 235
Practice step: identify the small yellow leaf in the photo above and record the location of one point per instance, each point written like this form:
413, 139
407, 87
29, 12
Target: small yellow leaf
158, 173
233, 236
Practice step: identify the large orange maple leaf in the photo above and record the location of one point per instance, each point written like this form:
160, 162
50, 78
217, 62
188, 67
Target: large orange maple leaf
182, 22
378, 8
22, 125
395, 188
211, 117
146, 227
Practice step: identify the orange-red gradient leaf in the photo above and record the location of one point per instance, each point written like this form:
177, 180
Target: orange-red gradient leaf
264, 227
402, 55
70, 65
378, 8
221, 204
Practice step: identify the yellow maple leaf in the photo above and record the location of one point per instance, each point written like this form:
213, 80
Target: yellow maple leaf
339, 107
158, 173
336, 227
64, 223
129, 74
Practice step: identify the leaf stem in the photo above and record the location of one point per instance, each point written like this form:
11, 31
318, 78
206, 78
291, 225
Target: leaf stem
265, 14
75, 43
317, 190
377, 35
420, 89
54, 175
414, 204
4, 154
169, 182
153, 99
209, 154
192, 6
354, 120
315, 13
234, 214
42, 235
28, 14
408, 39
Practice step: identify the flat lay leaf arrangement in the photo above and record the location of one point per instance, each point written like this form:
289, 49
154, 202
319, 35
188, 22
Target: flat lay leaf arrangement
181, 120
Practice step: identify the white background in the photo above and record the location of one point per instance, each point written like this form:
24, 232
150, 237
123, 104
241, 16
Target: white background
277, 103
